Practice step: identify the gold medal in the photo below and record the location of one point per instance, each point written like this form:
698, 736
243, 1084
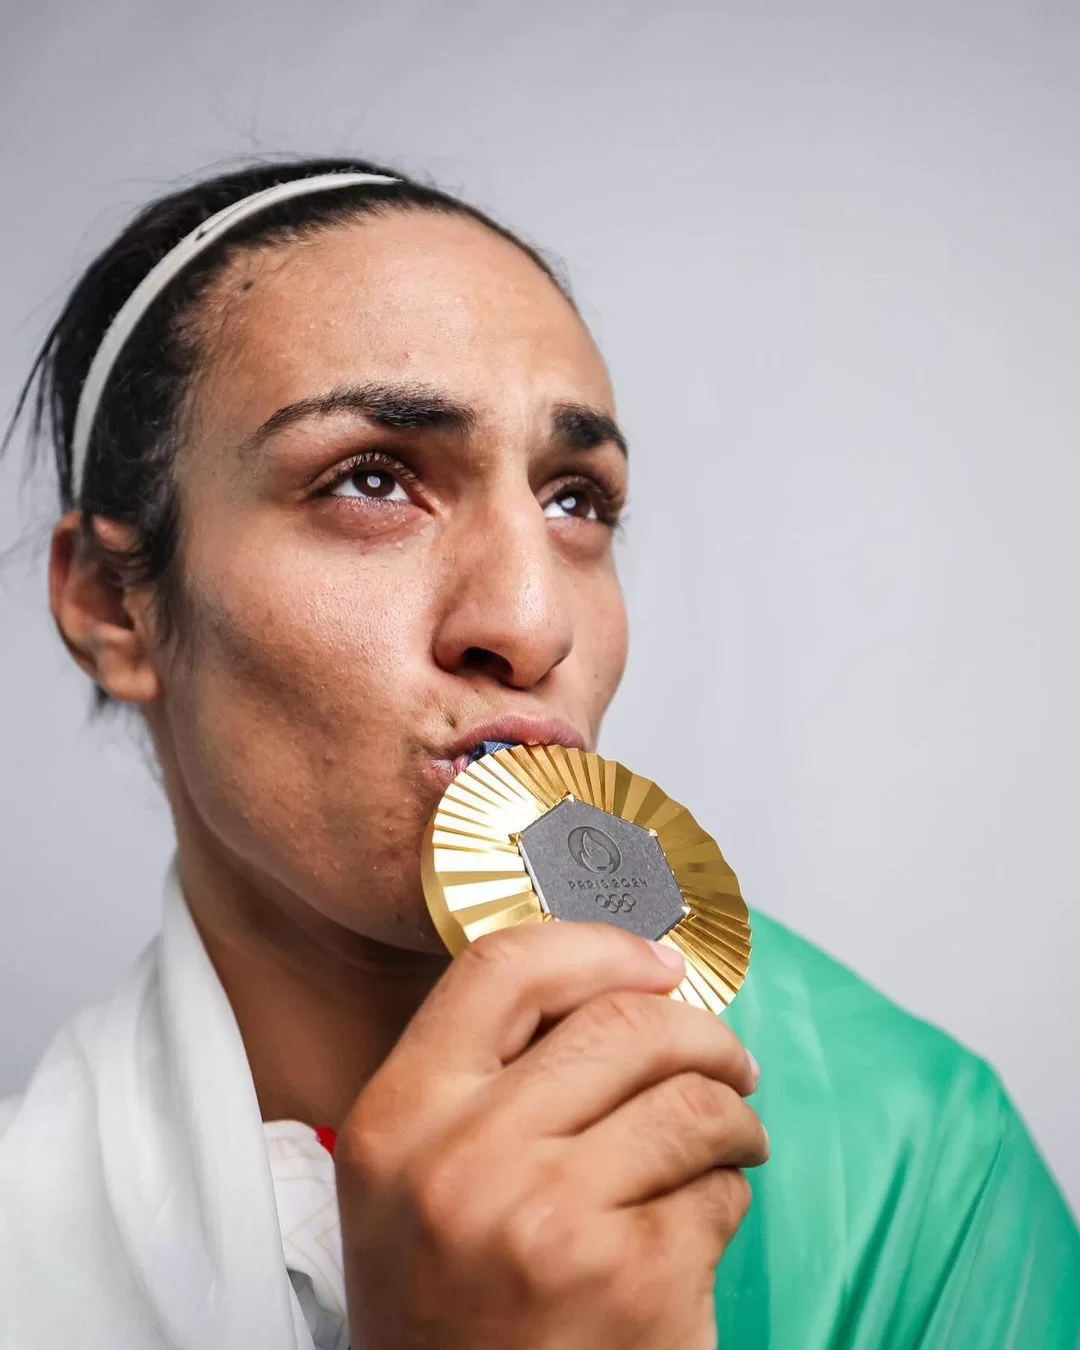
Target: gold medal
540, 833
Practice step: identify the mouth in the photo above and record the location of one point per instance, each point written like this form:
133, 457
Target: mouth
509, 730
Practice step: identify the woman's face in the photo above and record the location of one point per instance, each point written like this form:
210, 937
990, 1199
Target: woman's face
398, 490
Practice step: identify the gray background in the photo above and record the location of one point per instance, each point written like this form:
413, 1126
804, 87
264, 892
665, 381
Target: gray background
833, 254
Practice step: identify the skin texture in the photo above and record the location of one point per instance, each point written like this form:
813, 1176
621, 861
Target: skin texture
334, 648
346, 626
563, 1193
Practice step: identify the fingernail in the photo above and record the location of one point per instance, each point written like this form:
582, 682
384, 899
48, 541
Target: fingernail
755, 1068
669, 956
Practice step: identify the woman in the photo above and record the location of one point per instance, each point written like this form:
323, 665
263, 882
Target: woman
340, 473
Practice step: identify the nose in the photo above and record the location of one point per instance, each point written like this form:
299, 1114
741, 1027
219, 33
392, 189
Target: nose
507, 609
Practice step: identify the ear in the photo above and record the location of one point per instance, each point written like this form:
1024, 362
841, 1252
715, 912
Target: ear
106, 625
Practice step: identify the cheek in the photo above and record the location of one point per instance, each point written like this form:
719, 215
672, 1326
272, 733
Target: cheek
310, 629
603, 640
303, 669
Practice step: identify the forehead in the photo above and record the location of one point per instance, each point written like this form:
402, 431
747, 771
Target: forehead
432, 299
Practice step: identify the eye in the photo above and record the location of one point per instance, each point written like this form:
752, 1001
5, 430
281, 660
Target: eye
572, 504
376, 484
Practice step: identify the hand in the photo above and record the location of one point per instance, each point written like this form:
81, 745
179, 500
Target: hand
549, 1159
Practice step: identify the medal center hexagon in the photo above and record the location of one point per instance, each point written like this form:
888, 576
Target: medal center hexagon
591, 866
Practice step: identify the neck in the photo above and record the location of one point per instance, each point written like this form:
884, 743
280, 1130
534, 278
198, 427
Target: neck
319, 1007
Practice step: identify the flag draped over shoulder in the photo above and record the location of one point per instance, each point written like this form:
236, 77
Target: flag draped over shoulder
136, 1200
904, 1206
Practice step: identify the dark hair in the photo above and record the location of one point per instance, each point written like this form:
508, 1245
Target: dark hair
139, 421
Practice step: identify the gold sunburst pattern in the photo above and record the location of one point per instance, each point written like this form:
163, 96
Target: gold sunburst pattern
476, 880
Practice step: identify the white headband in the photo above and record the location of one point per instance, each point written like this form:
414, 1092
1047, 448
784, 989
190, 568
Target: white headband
159, 276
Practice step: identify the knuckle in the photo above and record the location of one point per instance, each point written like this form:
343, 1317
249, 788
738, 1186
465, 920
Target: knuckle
438, 1197
363, 1153
652, 1235
625, 1011
730, 1201
747, 1143
533, 1241
494, 952
740, 1197
551, 1249
732, 1046
634, 1295
727, 1050
701, 1099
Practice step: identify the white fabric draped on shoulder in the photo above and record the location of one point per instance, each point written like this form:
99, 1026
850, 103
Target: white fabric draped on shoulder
137, 1206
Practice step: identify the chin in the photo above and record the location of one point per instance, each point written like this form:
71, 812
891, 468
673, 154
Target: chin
386, 907
403, 933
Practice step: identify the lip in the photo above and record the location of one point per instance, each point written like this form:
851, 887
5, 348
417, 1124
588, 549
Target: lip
516, 730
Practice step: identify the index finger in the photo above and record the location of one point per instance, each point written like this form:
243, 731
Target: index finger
497, 994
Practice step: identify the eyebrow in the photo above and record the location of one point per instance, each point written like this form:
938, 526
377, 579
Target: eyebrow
582, 428
400, 407
413, 407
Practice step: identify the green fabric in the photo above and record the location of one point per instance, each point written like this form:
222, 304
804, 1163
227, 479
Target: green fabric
904, 1204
